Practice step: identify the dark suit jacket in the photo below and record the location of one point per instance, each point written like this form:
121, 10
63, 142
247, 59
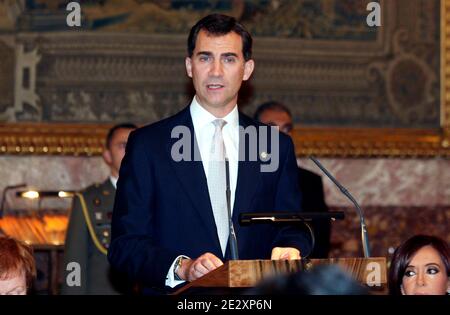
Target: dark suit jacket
162, 207
313, 200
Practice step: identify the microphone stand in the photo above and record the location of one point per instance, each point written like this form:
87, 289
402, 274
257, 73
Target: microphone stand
232, 236
364, 236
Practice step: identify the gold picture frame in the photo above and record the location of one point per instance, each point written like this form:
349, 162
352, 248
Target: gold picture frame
87, 139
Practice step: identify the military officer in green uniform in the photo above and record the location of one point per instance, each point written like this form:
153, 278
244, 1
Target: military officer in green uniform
89, 231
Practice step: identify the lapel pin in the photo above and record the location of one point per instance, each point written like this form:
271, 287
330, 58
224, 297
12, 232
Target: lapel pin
263, 155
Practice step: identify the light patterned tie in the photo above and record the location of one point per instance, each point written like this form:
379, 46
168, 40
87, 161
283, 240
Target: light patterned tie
217, 183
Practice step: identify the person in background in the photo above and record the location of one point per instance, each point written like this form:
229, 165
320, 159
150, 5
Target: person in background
89, 251
313, 200
420, 266
17, 267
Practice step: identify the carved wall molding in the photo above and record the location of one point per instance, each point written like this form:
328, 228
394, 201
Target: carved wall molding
87, 140
7, 57
52, 139
445, 67
366, 142
25, 79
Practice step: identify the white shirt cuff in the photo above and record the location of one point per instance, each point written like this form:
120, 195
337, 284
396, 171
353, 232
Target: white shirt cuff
170, 278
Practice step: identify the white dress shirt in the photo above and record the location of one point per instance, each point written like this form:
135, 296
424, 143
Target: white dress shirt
204, 132
113, 181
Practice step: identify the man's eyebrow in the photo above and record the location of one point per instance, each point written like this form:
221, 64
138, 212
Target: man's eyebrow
207, 53
229, 54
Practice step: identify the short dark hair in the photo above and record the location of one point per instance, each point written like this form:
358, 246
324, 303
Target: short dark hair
218, 25
111, 131
271, 105
405, 252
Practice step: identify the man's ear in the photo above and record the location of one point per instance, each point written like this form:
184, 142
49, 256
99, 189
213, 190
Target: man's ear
249, 66
188, 62
107, 156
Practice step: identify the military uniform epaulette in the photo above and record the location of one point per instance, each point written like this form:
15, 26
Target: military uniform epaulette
96, 187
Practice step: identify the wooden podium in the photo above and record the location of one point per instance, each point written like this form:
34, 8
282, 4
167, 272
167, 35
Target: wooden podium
248, 273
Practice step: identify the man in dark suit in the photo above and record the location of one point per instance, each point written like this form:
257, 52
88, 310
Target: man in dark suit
313, 200
96, 276
170, 220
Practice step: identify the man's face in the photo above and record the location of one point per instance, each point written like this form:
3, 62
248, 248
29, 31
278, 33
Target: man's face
277, 118
217, 68
114, 154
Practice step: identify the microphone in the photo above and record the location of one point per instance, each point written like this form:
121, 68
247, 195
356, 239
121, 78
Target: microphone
232, 236
364, 236
7, 188
288, 217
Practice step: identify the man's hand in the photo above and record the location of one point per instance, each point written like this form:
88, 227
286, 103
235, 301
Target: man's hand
285, 253
191, 270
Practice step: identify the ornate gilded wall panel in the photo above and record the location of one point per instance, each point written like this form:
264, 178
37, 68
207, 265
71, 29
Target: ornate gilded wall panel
319, 58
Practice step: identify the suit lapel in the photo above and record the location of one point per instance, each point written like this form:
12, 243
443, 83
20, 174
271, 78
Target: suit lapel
193, 179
